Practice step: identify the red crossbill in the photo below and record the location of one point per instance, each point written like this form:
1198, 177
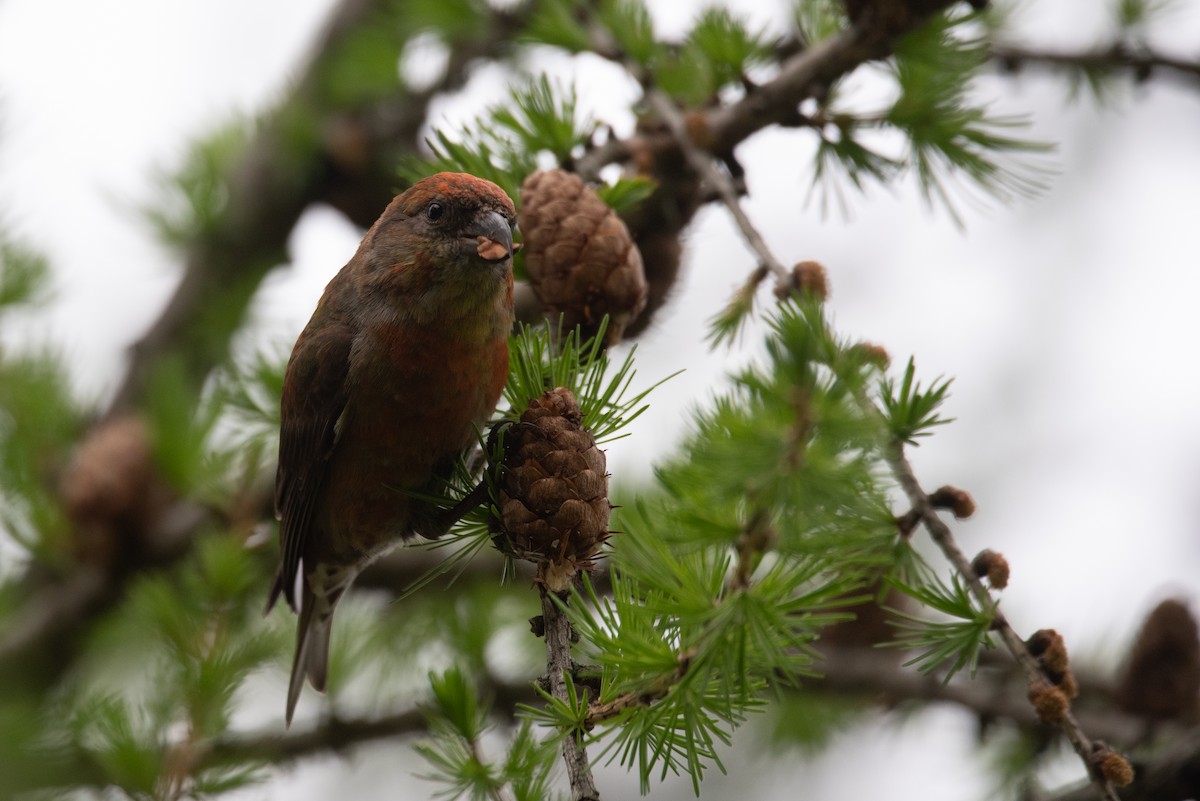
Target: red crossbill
403, 360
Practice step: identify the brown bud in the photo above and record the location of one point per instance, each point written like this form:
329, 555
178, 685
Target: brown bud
1116, 770
1048, 701
1050, 650
581, 260
993, 566
1161, 677
956, 500
872, 353
1048, 647
554, 494
806, 277
1112, 767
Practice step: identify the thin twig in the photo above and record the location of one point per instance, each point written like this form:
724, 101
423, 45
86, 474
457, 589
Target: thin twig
607, 710
1170, 773
558, 667
1143, 62
332, 734
944, 539
702, 163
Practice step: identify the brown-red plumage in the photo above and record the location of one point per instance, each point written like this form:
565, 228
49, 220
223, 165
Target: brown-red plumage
402, 362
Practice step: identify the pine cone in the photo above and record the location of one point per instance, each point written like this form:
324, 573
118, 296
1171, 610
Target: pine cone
1161, 677
112, 492
581, 260
554, 493
872, 621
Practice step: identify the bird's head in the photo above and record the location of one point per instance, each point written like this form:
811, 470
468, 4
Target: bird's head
449, 237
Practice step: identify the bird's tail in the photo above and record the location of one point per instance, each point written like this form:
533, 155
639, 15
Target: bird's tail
312, 635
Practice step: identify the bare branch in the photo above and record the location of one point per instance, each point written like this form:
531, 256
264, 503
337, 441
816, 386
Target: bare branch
807, 74
558, 667
338, 734
703, 164
1141, 62
330, 734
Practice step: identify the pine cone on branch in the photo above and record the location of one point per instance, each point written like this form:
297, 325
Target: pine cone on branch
581, 259
554, 493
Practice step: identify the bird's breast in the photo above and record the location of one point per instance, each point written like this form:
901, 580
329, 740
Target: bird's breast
415, 400
422, 393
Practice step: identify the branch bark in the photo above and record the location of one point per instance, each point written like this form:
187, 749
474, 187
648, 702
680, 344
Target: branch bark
558, 668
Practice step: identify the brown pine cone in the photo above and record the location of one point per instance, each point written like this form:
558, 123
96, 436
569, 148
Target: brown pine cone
581, 260
871, 625
111, 492
1161, 677
554, 493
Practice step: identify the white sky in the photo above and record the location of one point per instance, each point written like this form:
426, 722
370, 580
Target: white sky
1069, 322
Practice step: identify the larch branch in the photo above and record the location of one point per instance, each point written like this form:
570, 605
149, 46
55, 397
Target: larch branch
558, 667
943, 537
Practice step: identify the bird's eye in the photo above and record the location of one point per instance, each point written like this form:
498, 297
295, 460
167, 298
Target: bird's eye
434, 212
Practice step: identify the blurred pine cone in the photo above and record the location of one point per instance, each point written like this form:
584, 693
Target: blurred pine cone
581, 260
1161, 678
112, 493
554, 493
872, 623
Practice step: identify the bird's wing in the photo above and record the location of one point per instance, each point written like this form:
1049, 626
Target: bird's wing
314, 399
